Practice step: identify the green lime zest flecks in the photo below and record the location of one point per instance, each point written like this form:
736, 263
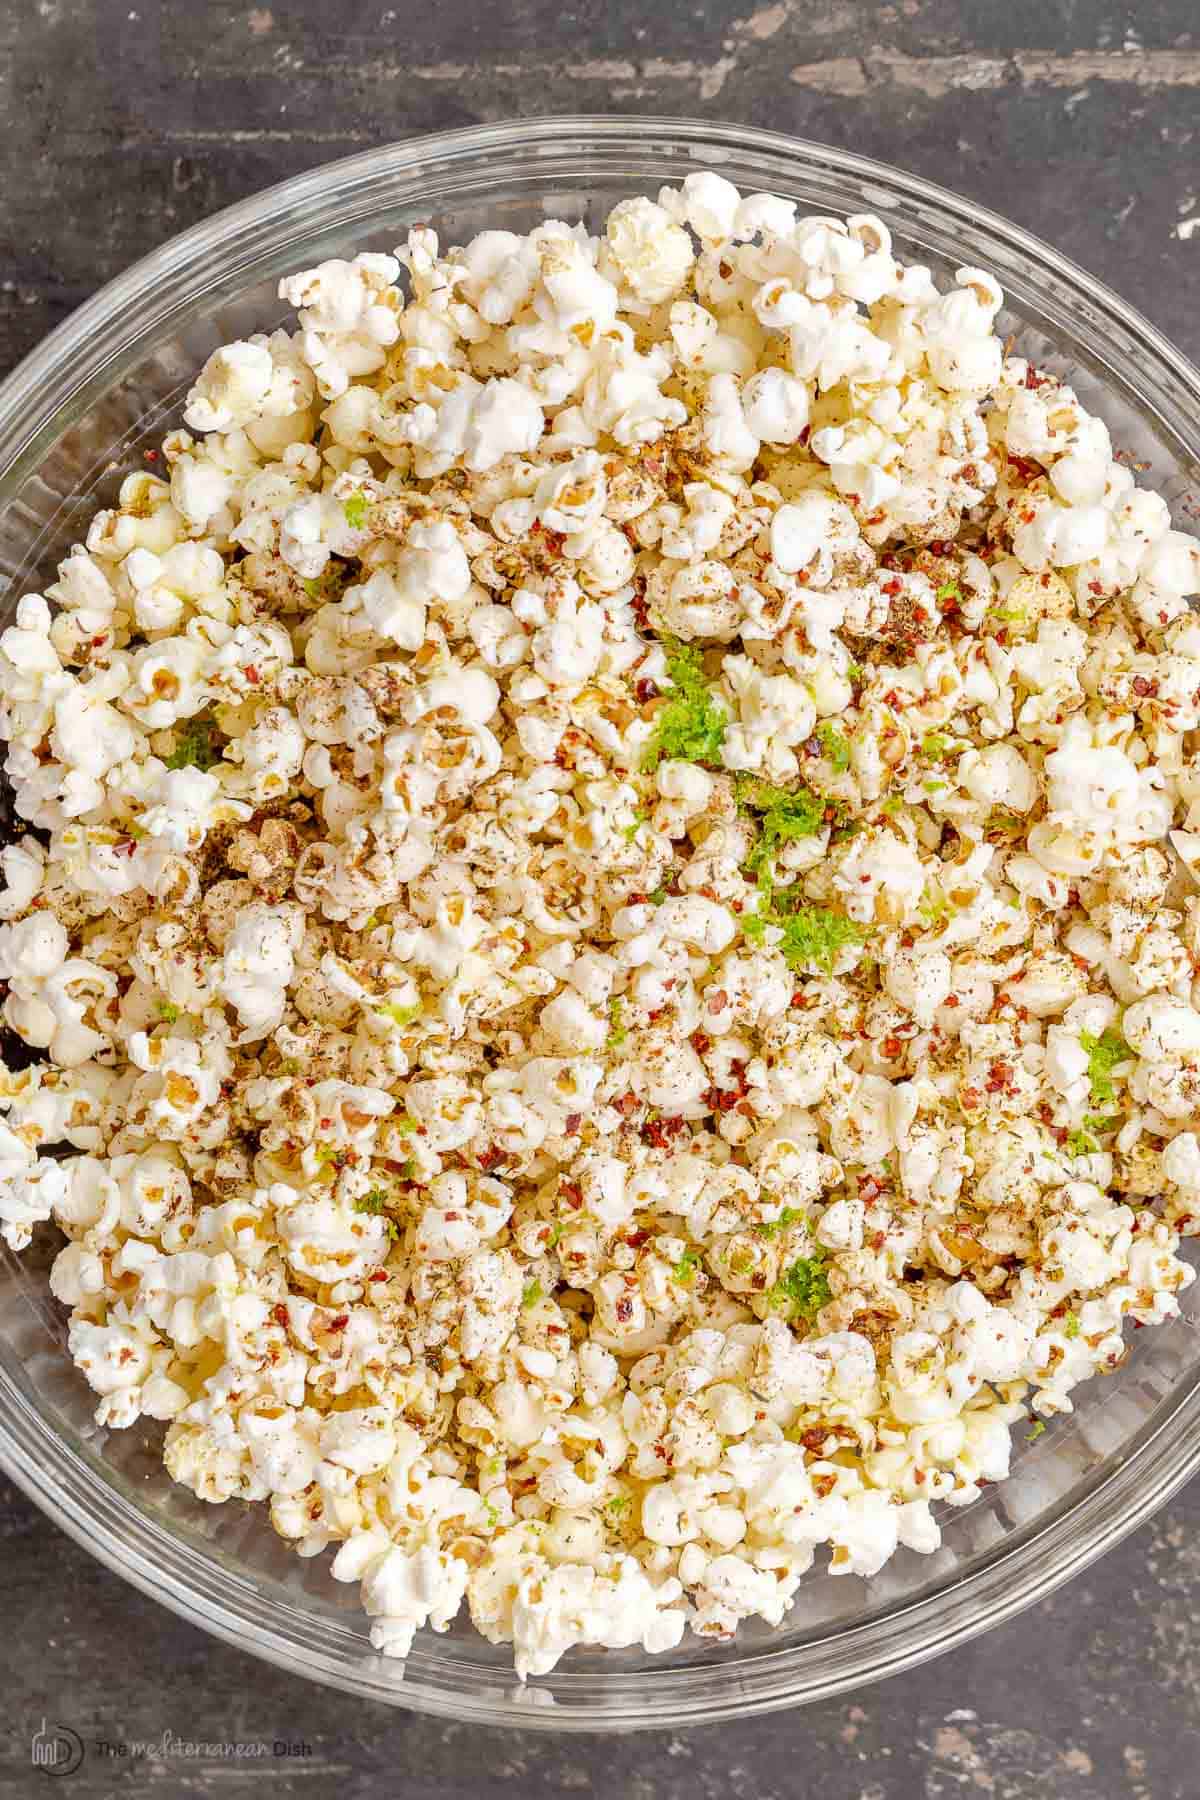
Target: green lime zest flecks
803, 1288
690, 725
685, 1269
1103, 1054
813, 937
782, 815
198, 743
790, 1215
400, 1015
835, 746
375, 1204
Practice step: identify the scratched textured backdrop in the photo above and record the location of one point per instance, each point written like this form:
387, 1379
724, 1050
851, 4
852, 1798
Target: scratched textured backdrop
122, 124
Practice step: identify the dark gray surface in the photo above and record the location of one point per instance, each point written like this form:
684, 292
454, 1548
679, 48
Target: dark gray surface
123, 121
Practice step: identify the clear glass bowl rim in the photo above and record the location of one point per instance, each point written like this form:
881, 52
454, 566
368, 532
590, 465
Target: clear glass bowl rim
50, 387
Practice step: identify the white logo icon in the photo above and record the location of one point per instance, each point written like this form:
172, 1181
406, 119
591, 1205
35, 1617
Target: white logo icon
56, 1749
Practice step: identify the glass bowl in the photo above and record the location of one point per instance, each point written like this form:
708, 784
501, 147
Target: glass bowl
82, 411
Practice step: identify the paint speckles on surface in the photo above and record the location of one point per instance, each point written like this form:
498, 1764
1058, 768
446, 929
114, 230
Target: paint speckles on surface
937, 76
764, 24
1007, 1761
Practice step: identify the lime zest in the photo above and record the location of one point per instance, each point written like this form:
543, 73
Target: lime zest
690, 725
812, 936
196, 743
790, 1215
685, 1269
1104, 1053
803, 1288
835, 746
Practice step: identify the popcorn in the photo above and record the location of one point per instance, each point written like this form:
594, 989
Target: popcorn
232, 387
775, 406
402, 1592
184, 808
50, 992
569, 889
649, 254
505, 420
706, 202
258, 964
349, 314
244, 384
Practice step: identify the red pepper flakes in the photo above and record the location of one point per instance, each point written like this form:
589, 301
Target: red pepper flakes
659, 1132
719, 1099
999, 1077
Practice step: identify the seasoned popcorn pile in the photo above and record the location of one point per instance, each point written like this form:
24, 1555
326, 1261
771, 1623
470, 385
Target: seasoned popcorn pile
611, 916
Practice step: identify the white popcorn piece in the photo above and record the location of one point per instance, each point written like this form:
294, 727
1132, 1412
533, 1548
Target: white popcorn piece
349, 315
650, 255
258, 965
